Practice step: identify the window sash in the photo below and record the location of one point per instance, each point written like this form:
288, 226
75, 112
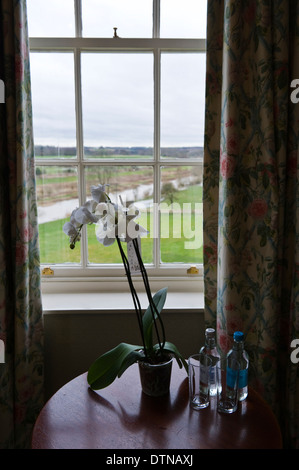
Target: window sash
157, 46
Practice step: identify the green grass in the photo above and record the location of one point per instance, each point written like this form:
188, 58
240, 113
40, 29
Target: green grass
181, 236
175, 231
56, 179
54, 247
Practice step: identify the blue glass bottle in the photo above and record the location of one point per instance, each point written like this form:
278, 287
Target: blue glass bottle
239, 355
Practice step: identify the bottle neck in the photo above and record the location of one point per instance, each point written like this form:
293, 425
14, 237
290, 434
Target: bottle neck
210, 343
238, 345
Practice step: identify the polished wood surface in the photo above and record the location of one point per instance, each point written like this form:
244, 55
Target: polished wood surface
122, 417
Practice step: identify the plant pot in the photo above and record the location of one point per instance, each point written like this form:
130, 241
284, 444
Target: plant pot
155, 378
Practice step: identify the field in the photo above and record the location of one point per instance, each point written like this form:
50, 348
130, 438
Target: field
56, 184
54, 245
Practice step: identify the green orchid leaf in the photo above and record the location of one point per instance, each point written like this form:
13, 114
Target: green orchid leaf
133, 357
107, 367
172, 349
147, 319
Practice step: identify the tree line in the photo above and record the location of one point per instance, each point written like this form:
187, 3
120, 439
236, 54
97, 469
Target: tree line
172, 152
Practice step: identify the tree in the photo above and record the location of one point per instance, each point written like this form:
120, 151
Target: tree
168, 192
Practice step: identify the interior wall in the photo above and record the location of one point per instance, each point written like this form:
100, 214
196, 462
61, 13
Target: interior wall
74, 340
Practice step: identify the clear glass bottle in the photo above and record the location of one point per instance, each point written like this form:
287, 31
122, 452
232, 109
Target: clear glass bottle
239, 355
210, 348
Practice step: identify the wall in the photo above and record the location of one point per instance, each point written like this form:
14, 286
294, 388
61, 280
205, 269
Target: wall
73, 340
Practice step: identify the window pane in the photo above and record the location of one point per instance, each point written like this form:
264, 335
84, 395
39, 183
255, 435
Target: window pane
185, 19
181, 214
51, 18
133, 18
117, 96
182, 104
57, 197
133, 184
53, 102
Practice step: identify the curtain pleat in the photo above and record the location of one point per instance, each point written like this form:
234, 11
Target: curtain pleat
250, 193
21, 328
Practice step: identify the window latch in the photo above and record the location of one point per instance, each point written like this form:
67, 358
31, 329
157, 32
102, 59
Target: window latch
47, 272
115, 33
193, 270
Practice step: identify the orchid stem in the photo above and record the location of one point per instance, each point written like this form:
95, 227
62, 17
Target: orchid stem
133, 293
76, 238
150, 299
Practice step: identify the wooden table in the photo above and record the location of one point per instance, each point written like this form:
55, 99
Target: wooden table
122, 417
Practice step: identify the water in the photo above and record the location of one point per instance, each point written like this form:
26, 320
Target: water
211, 350
238, 354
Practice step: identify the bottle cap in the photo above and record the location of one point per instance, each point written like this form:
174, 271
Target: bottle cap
238, 336
210, 332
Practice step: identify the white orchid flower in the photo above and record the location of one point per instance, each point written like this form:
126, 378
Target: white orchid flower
91, 205
106, 228
105, 231
112, 220
73, 219
72, 232
117, 221
84, 216
99, 193
79, 217
73, 229
105, 208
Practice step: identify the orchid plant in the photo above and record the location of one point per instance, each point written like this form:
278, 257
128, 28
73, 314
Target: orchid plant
116, 222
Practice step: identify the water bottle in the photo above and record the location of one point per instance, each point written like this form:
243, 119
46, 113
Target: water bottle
211, 350
239, 355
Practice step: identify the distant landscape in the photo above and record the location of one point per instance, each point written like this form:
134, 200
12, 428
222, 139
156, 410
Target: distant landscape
180, 184
100, 152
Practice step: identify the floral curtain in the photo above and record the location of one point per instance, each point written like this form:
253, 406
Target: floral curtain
21, 331
251, 192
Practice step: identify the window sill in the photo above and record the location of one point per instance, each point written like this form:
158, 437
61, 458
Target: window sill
74, 302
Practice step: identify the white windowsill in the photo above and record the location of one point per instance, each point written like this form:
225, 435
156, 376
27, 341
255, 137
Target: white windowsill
94, 302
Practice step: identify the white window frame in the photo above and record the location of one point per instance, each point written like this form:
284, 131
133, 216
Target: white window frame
89, 278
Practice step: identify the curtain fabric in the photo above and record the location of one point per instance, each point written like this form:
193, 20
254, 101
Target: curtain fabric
21, 329
251, 192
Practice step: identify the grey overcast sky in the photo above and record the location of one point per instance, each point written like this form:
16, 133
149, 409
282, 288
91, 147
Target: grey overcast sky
117, 89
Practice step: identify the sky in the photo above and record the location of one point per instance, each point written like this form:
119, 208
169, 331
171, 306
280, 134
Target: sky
117, 89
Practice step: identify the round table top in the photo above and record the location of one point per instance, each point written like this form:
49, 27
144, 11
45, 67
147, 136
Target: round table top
121, 416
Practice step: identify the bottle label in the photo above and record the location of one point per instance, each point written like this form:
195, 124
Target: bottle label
243, 378
231, 377
204, 374
213, 375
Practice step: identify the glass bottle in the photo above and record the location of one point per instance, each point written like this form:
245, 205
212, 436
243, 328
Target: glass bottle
238, 355
210, 348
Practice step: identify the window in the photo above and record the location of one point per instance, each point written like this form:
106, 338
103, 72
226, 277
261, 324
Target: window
124, 107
